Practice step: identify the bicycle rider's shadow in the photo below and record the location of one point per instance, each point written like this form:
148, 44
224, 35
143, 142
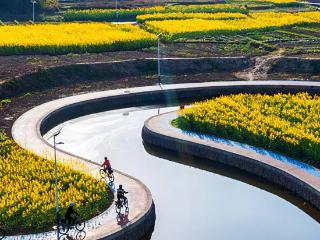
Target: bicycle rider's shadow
79, 235
123, 219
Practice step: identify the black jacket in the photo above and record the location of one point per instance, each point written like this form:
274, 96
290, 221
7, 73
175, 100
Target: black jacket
70, 211
121, 192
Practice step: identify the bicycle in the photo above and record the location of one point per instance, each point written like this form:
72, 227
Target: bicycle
2, 233
104, 174
80, 235
121, 203
64, 226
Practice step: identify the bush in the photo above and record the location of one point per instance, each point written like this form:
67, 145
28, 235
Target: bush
27, 191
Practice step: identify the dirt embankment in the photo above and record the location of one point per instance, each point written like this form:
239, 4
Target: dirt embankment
91, 72
295, 68
279, 67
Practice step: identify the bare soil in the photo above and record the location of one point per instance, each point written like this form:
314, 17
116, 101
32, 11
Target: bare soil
259, 70
16, 66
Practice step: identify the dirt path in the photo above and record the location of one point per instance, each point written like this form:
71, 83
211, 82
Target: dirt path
261, 67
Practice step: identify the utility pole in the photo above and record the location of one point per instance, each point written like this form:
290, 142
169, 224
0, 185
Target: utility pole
56, 178
117, 10
33, 3
159, 73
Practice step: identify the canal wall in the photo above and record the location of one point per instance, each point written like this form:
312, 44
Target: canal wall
286, 176
140, 230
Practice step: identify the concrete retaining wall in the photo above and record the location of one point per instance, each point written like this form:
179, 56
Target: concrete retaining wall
296, 65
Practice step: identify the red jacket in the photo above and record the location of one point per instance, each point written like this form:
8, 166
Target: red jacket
106, 164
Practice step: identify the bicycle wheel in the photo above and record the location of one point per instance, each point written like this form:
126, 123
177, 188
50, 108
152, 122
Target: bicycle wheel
63, 228
81, 235
80, 225
63, 237
126, 204
2, 233
111, 177
103, 174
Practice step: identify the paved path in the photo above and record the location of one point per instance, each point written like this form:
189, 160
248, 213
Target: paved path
26, 132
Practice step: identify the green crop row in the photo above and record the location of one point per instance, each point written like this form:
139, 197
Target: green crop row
66, 38
131, 14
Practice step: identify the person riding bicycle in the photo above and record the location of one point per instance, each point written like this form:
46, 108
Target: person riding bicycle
120, 194
70, 214
107, 166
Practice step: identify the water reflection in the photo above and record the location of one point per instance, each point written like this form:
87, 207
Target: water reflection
192, 200
236, 174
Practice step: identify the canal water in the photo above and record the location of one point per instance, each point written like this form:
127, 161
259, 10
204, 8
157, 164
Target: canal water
193, 200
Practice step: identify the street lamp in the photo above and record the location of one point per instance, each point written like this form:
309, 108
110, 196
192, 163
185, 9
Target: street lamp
33, 3
56, 177
159, 76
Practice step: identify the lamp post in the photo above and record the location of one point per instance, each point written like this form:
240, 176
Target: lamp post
33, 3
159, 74
56, 177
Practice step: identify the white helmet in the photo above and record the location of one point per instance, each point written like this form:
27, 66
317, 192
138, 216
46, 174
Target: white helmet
71, 204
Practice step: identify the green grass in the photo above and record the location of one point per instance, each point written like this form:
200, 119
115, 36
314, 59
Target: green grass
131, 14
5, 102
3, 136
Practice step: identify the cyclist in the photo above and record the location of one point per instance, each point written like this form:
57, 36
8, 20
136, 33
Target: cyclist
120, 194
107, 166
70, 214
